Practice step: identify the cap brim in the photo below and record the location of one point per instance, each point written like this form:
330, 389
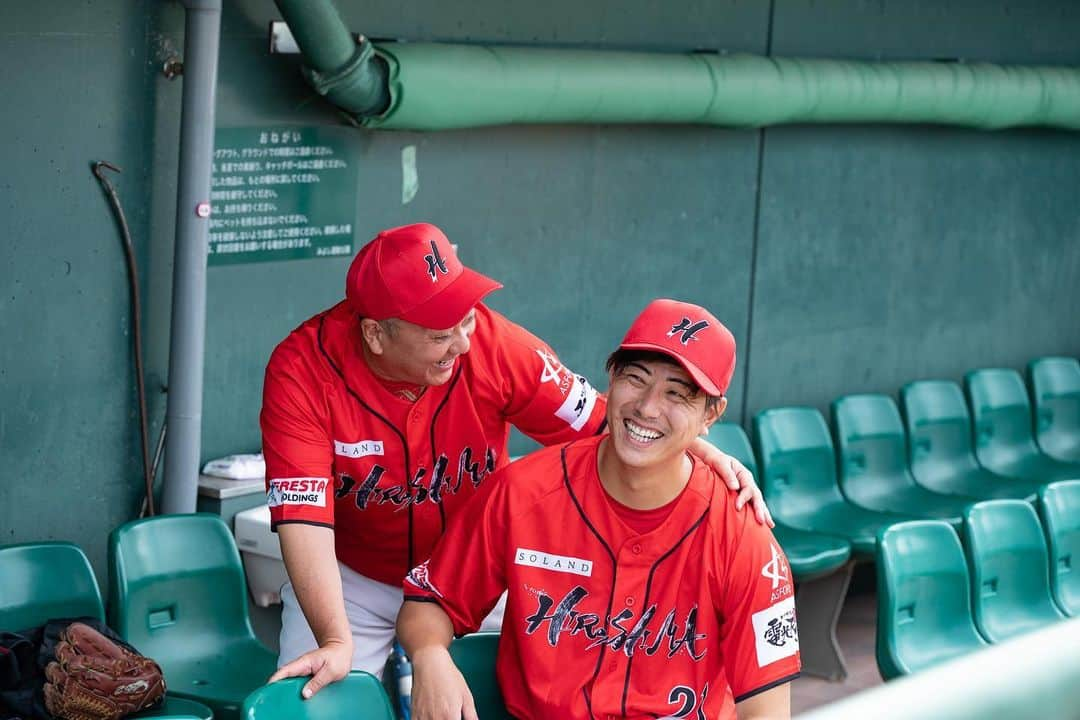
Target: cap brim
698, 376
448, 307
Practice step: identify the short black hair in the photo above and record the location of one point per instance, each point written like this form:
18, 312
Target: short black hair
618, 360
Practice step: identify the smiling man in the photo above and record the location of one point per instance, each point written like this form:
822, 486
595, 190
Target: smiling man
381, 417
635, 588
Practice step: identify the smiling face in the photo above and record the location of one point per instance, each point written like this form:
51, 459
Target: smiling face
404, 352
655, 411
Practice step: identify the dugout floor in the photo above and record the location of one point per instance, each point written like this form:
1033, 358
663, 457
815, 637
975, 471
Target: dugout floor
855, 633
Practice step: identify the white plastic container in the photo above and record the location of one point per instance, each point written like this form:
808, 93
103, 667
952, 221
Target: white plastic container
261, 553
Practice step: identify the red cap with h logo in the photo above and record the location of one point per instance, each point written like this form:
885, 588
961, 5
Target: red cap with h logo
692, 336
412, 273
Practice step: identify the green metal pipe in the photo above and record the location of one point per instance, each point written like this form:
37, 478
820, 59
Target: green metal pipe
438, 87
423, 86
343, 70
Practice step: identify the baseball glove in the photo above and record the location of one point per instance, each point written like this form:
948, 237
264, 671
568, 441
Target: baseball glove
93, 678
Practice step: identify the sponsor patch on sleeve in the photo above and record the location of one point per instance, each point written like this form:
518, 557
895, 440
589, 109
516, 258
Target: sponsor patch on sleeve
578, 405
297, 491
776, 635
419, 577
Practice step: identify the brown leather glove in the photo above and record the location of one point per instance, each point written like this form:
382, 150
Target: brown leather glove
93, 678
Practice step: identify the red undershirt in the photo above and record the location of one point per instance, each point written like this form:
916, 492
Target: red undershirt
642, 521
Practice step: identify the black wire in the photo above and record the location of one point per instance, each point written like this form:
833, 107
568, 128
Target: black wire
136, 321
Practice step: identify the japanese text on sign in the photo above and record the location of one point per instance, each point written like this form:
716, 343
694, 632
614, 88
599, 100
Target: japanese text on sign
281, 194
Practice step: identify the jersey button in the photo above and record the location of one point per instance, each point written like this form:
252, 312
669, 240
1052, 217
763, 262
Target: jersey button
636, 549
629, 601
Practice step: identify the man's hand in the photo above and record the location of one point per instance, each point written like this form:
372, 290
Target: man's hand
736, 477
439, 689
326, 665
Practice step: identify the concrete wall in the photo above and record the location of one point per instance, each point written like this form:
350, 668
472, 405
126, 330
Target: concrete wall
844, 259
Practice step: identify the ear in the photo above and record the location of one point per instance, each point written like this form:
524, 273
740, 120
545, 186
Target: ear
712, 415
372, 334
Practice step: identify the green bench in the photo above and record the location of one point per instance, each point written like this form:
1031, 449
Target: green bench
940, 449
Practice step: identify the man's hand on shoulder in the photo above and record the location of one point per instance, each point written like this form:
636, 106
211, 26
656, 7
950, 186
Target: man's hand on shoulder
325, 665
736, 477
439, 689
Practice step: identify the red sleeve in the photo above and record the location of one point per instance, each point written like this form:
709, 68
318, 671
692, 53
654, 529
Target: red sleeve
296, 444
760, 636
541, 397
465, 573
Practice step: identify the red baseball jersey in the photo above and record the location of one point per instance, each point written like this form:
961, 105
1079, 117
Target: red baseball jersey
343, 451
680, 622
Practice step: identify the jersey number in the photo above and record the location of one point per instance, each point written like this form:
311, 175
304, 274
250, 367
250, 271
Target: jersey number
691, 704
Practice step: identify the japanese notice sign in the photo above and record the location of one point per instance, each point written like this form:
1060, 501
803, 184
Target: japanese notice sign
281, 193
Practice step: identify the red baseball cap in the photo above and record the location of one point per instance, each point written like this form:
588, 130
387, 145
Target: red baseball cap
690, 334
412, 273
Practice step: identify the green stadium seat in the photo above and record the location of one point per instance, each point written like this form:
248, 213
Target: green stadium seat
872, 460
820, 564
1055, 388
46, 581
1060, 505
358, 696
53, 580
798, 479
475, 656
811, 554
177, 592
1007, 554
924, 598
1004, 441
940, 448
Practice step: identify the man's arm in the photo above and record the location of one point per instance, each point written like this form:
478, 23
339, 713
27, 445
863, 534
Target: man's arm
773, 704
308, 552
439, 690
735, 476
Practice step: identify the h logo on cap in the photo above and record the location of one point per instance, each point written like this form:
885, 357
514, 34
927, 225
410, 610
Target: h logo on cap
435, 263
688, 331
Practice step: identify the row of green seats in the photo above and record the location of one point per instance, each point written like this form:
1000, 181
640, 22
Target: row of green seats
54, 580
939, 598
177, 593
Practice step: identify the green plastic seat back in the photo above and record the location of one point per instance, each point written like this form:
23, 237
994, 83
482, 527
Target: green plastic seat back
1060, 505
177, 585
43, 581
175, 708
798, 464
1009, 567
924, 598
732, 439
1055, 387
1001, 415
358, 696
870, 442
475, 656
938, 426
